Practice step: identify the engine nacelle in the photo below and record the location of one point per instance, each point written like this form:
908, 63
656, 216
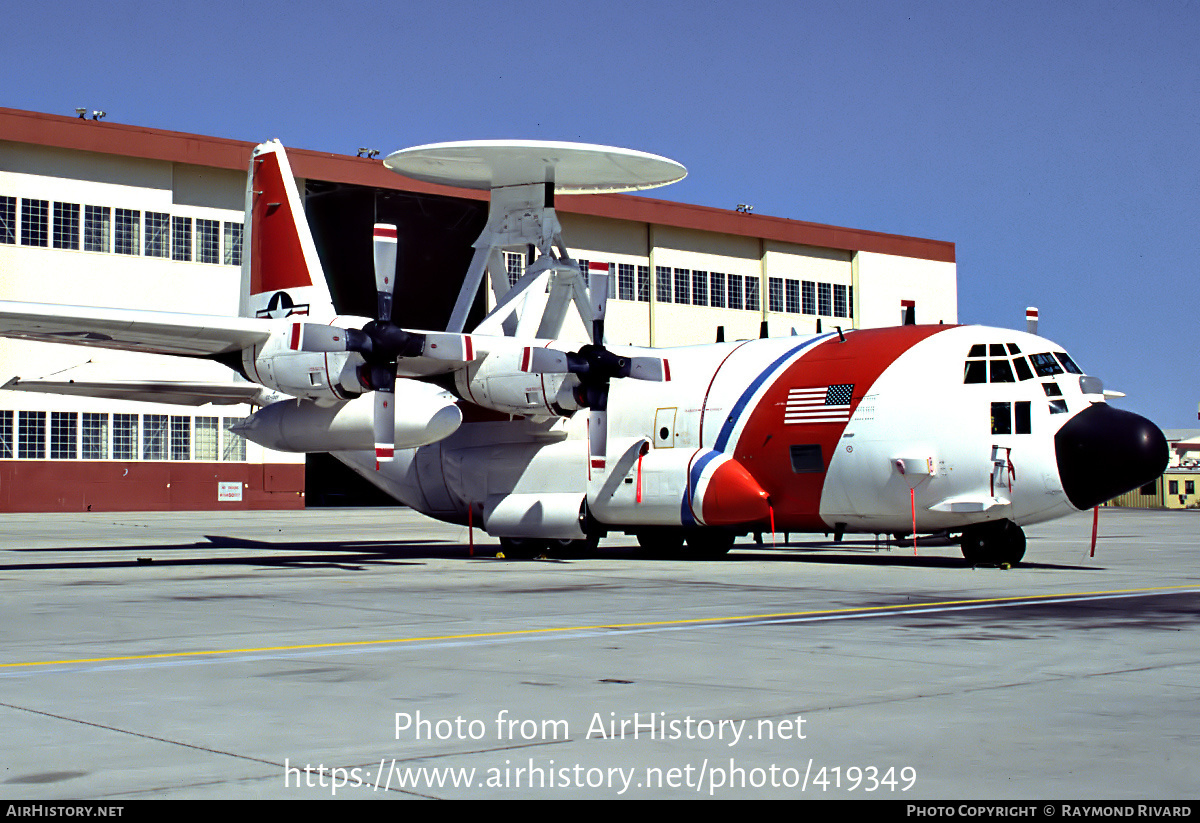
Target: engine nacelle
498, 382
424, 414
323, 377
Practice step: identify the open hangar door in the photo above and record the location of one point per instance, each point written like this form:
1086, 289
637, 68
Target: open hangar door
435, 234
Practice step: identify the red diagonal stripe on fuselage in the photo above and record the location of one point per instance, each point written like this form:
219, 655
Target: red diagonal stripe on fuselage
763, 445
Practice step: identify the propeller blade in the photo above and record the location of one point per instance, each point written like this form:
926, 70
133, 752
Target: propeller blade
386, 244
598, 278
656, 369
449, 346
537, 360
316, 337
597, 440
385, 424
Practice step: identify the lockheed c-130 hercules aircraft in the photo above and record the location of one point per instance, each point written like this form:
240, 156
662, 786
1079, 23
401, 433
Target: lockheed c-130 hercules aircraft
965, 431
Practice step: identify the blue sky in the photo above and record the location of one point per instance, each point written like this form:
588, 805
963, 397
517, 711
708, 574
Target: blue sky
1056, 144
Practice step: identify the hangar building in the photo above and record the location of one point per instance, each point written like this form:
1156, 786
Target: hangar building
107, 214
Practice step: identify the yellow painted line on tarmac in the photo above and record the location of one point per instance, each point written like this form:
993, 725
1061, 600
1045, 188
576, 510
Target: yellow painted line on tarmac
865, 611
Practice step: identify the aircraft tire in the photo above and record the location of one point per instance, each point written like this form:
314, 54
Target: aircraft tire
661, 542
522, 548
1001, 542
709, 543
575, 548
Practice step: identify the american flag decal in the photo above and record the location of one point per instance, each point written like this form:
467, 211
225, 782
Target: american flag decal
823, 404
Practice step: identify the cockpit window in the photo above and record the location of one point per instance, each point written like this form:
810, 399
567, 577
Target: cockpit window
1022, 367
1002, 372
1045, 365
1000, 359
1068, 363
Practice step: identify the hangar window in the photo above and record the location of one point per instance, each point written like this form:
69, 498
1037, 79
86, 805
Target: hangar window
716, 292
806, 458
64, 428
181, 437
205, 446
233, 244
181, 239
94, 436
35, 215
6, 434
31, 435
699, 288
753, 301
643, 284
126, 239
158, 234
514, 265
840, 303
625, 281
792, 296
825, 299
154, 437
8, 219
662, 284
208, 240
1172, 487
809, 302
683, 284
125, 436
775, 294
735, 291
66, 225
1189, 486
235, 444
97, 222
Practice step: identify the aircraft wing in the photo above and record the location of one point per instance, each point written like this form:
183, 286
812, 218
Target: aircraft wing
197, 335
175, 392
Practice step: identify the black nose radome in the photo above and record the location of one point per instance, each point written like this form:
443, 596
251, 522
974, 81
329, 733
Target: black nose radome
1103, 452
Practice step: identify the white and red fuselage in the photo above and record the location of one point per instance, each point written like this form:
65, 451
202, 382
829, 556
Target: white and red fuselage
894, 430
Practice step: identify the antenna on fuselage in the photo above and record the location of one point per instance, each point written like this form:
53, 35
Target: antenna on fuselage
1031, 319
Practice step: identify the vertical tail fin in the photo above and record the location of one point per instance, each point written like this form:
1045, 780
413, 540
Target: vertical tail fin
281, 274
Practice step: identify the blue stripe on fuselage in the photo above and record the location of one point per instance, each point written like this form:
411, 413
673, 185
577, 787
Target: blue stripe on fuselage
740, 406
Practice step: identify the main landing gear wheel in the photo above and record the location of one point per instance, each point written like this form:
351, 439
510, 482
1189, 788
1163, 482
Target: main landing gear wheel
574, 548
522, 548
709, 543
661, 542
1000, 543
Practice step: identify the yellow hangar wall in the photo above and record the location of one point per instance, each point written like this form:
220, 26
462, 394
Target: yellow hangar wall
63, 452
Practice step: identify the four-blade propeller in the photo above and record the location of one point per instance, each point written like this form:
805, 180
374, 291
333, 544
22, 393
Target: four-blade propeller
595, 366
381, 343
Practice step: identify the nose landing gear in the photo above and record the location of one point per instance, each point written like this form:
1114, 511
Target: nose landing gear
1001, 543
